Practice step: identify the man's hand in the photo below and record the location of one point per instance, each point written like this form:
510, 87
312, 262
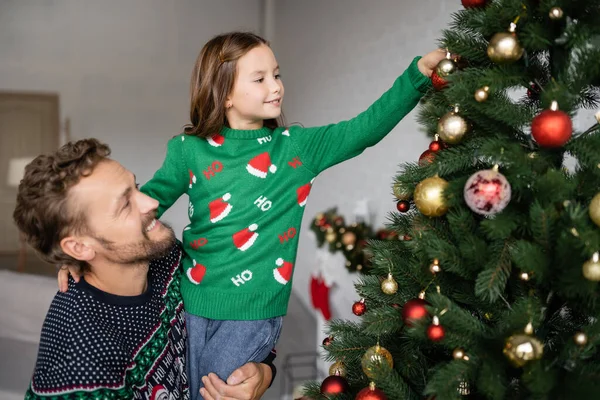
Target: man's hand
429, 61
249, 382
63, 276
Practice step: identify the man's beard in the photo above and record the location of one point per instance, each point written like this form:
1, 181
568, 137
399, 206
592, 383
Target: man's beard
141, 252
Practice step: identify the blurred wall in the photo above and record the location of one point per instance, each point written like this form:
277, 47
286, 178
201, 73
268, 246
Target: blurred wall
121, 68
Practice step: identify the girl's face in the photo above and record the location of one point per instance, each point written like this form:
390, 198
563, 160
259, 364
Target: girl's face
257, 90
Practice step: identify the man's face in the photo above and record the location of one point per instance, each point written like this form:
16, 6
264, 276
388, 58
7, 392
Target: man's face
120, 220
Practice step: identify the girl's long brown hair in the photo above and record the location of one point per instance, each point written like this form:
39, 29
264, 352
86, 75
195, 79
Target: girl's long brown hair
213, 78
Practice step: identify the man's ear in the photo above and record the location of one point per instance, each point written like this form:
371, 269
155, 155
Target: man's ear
77, 248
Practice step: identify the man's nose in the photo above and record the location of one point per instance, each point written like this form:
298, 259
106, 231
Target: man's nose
146, 204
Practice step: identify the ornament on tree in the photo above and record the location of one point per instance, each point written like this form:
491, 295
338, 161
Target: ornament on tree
401, 191
370, 393
445, 68
427, 157
522, 348
487, 192
504, 47
580, 339
474, 3
594, 209
337, 368
434, 267
591, 268
334, 385
359, 307
389, 285
524, 276
482, 94
452, 127
429, 197
552, 128
373, 358
556, 13
435, 331
414, 310
327, 341
403, 206
437, 145
459, 354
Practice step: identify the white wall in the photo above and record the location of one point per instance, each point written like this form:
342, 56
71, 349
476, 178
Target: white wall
337, 57
121, 67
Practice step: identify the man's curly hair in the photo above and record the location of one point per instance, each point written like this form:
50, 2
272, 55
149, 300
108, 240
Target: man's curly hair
44, 213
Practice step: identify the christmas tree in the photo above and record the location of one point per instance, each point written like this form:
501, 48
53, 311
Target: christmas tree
492, 291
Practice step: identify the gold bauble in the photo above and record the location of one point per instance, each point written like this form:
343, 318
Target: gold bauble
401, 191
591, 268
504, 48
389, 285
452, 127
330, 236
337, 368
580, 338
458, 353
595, 209
522, 348
373, 358
445, 67
556, 13
349, 238
482, 94
429, 197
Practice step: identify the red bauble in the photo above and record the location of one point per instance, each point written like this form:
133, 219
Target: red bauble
552, 128
435, 146
438, 82
327, 341
369, 393
414, 310
427, 157
435, 333
359, 308
403, 206
334, 384
474, 3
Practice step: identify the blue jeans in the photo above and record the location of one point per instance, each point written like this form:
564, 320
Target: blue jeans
223, 346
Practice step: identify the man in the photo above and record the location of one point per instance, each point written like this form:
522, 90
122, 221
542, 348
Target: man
119, 332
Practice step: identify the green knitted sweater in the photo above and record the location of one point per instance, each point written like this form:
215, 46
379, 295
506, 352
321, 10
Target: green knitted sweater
247, 190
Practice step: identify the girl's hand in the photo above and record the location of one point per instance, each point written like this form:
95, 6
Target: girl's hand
430, 60
63, 276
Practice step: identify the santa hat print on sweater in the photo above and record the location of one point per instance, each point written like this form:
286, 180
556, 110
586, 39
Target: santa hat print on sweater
192, 178
303, 192
196, 273
245, 238
159, 393
284, 272
216, 140
261, 165
219, 208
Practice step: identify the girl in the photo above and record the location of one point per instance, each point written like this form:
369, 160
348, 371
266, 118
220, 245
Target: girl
248, 179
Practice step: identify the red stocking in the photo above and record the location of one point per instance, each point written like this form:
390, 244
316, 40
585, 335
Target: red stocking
324, 296
315, 284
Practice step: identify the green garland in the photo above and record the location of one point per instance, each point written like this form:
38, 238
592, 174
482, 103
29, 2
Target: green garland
330, 228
